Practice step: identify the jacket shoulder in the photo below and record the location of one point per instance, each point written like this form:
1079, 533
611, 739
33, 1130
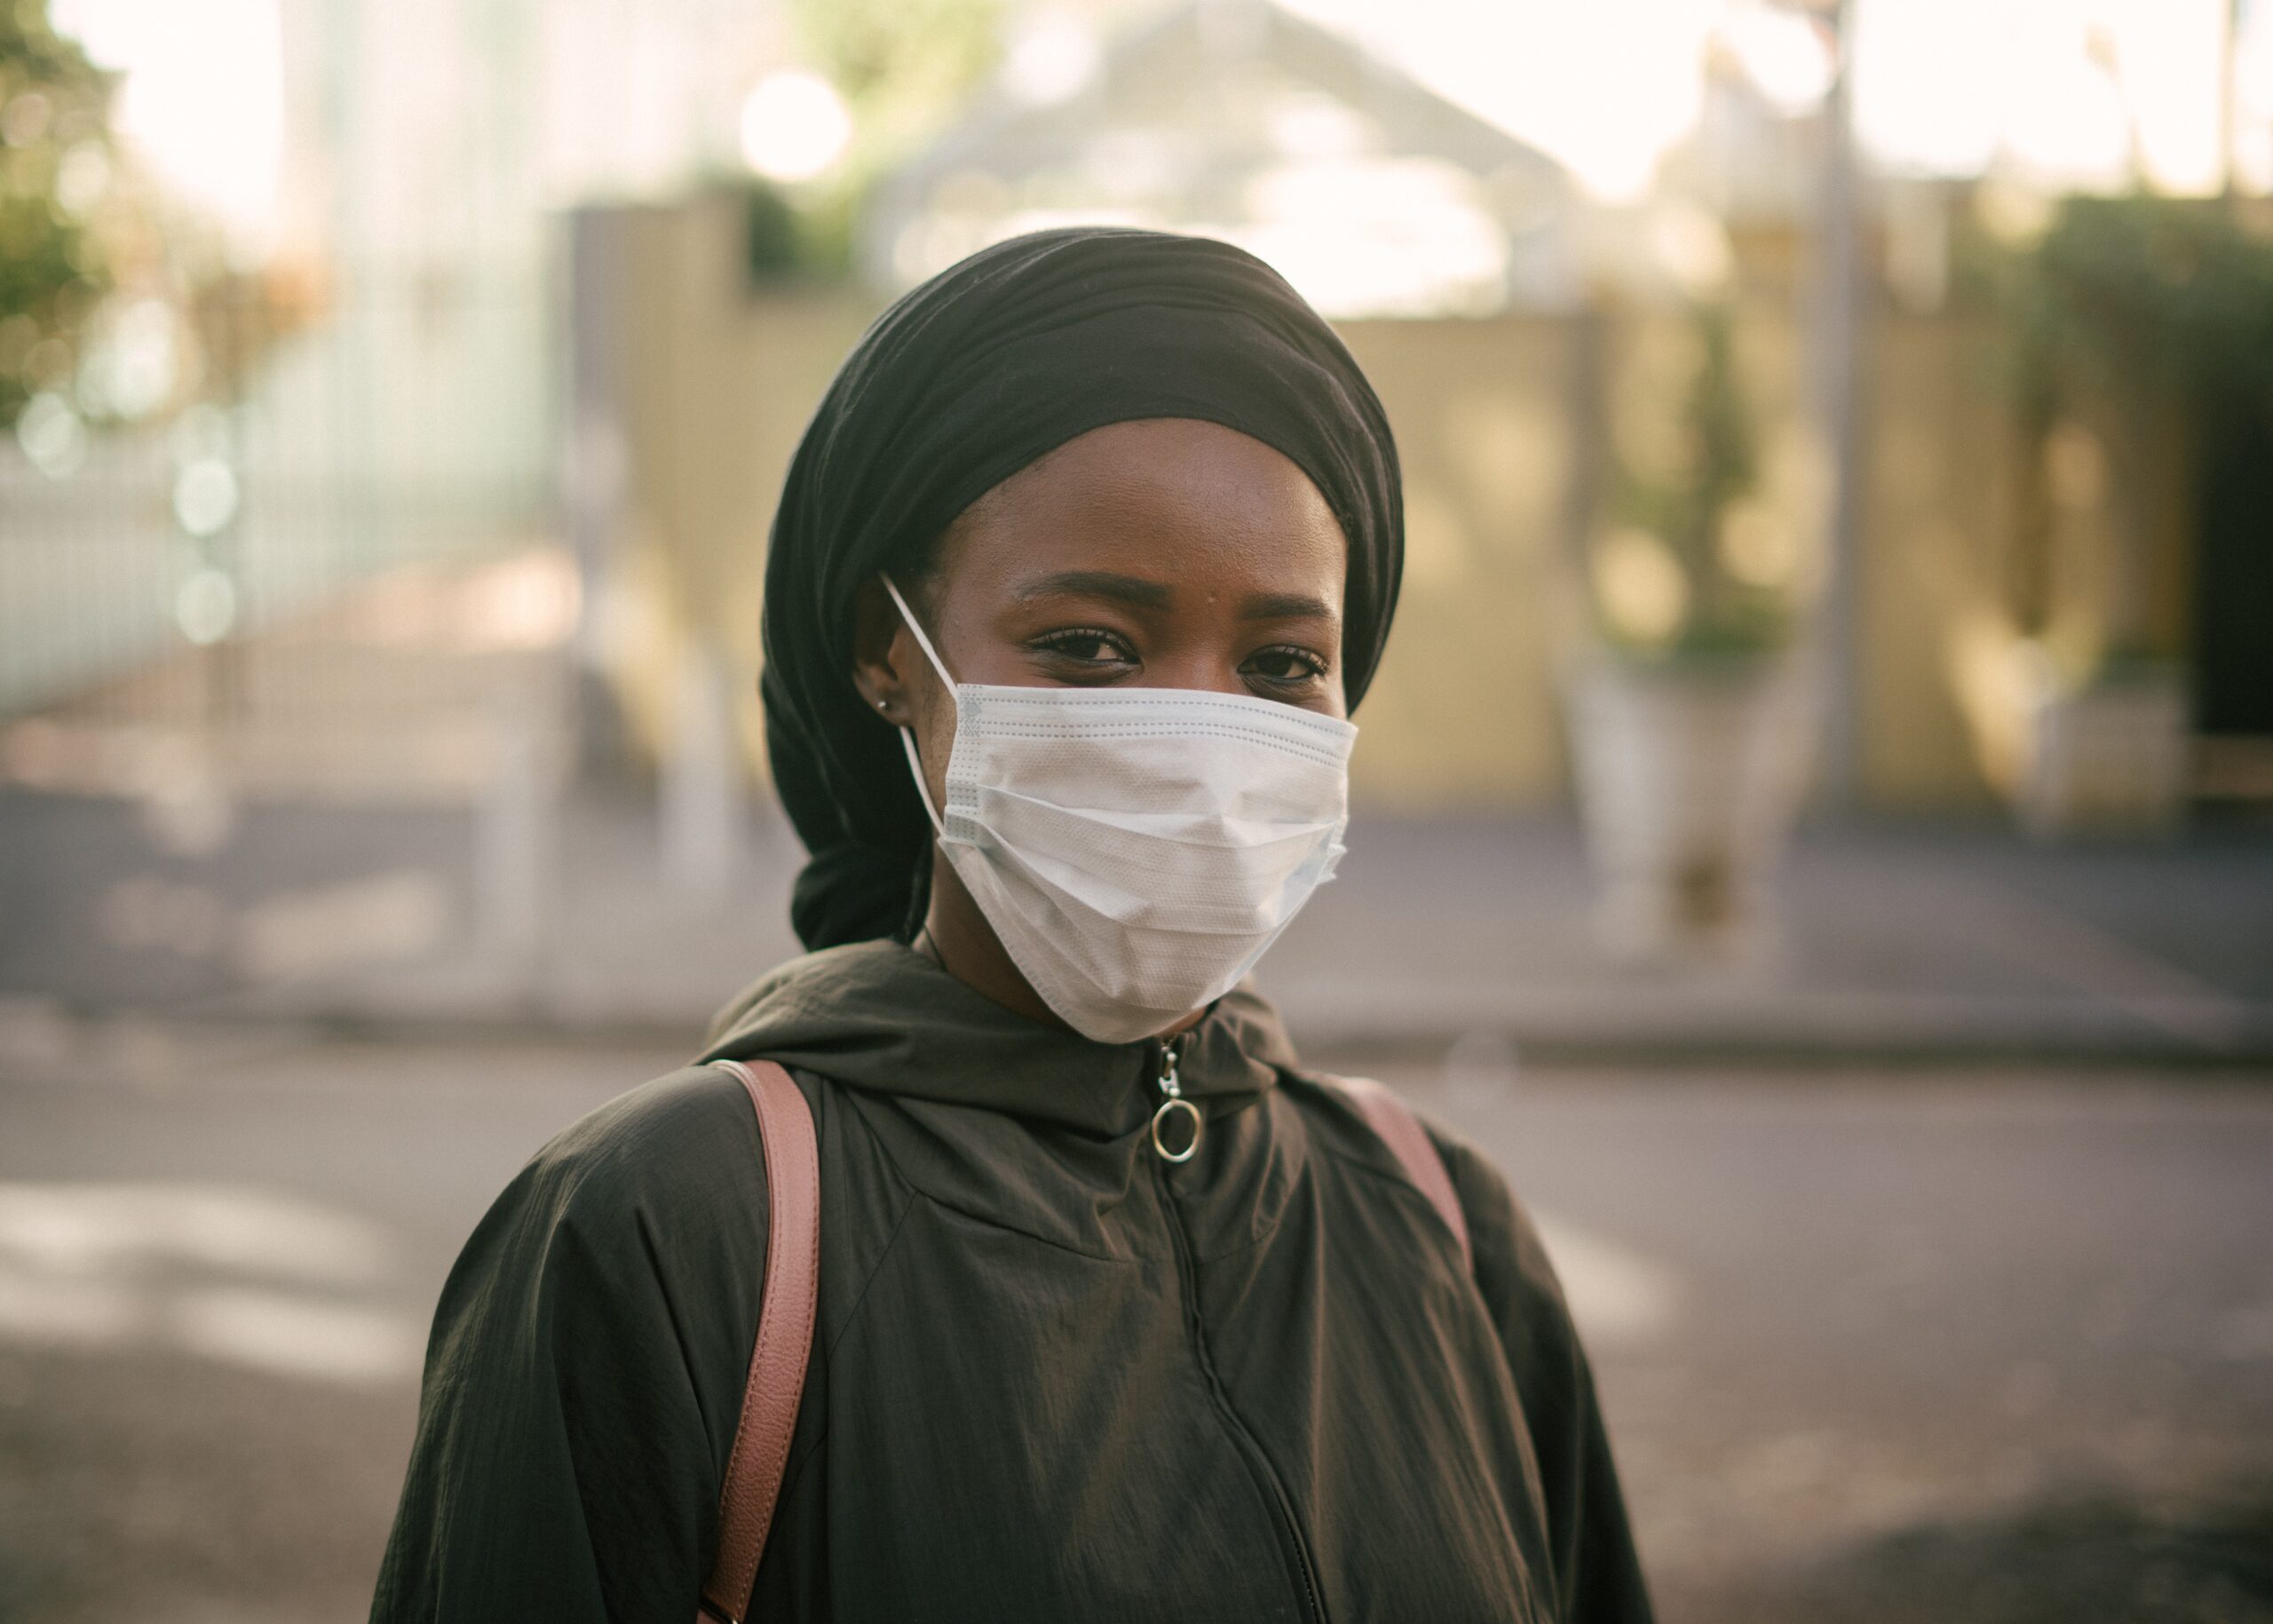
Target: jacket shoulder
1506, 1241
669, 1151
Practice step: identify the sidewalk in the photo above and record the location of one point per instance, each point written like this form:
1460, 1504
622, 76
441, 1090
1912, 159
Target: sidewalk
1894, 941
351, 821
1465, 934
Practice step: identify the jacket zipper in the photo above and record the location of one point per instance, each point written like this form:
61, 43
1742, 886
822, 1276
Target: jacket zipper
1266, 1476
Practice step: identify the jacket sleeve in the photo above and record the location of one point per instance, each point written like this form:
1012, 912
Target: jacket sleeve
1598, 1576
583, 1380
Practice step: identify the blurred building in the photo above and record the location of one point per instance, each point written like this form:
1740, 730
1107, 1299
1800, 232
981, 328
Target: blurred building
379, 184
1448, 249
1245, 122
371, 387
543, 312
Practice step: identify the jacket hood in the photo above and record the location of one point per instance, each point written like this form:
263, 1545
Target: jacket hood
878, 1015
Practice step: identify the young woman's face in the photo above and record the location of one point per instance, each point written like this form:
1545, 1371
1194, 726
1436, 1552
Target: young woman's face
1166, 553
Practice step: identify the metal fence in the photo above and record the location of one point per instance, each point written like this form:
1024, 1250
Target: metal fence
408, 430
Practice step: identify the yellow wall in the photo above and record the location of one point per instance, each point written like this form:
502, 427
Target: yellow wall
721, 382
716, 389
1463, 712
1935, 509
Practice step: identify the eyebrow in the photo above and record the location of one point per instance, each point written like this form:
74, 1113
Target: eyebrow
1284, 607
1131, 589
1140, 593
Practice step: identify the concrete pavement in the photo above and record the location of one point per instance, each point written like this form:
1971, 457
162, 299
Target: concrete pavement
1991, 1345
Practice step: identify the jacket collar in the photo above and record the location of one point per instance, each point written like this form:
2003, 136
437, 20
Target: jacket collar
881, 1016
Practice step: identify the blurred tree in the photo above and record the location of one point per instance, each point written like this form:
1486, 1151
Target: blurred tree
775, 243
903, 66
55, 156
2120, 291
90, 243
904, 69
1689, 511
2151, 318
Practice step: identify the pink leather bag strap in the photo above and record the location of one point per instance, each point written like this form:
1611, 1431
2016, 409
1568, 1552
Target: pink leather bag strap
785, 1337
1392, 1119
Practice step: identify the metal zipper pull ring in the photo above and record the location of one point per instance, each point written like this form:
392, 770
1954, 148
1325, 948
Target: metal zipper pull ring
1173, 1100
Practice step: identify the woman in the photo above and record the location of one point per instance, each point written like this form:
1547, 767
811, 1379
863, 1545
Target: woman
1085, 556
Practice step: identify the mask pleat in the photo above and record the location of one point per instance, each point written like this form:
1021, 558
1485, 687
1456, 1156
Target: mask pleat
1137, 849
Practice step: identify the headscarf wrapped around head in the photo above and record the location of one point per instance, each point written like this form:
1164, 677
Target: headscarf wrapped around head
982, 370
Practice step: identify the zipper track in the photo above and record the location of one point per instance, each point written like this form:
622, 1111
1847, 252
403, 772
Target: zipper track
1257, 1463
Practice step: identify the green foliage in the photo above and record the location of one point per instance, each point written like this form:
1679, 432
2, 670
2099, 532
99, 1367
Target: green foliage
2138, 316
904, 68
1719, 467
53, 271
770, 232
791, 236
898, 62
2122, 292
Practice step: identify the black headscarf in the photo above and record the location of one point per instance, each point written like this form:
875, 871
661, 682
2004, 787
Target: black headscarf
979, 372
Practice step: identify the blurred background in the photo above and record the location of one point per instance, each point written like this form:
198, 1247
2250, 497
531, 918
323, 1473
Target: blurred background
1814, 823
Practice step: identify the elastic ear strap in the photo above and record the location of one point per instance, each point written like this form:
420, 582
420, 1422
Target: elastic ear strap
907, 737
917, 626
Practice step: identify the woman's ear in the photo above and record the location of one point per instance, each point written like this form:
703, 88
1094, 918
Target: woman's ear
876, 671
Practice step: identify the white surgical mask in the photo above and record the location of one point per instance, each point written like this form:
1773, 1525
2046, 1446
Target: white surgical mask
1136, 849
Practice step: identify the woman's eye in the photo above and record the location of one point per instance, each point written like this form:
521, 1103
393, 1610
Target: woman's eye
1083, 646
1285, 665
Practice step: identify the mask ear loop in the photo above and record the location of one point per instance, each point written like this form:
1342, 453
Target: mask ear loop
907, 734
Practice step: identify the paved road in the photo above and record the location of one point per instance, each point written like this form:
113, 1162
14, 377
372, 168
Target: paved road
1992, 1347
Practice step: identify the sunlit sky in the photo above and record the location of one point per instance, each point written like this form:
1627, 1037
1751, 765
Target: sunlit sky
2067, 90
1941, 86
204, 99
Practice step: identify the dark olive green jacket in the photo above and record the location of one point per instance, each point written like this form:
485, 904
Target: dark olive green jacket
1054, 1375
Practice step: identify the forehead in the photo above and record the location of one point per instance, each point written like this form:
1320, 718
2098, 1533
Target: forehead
1196, 504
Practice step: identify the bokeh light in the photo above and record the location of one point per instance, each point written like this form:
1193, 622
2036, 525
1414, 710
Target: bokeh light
794, 126
1643, 591
205, 496
1758, 545
52, 434
201, 99
205, 606
1051, 57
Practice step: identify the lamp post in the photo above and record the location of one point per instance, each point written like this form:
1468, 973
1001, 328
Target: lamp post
1835, 345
